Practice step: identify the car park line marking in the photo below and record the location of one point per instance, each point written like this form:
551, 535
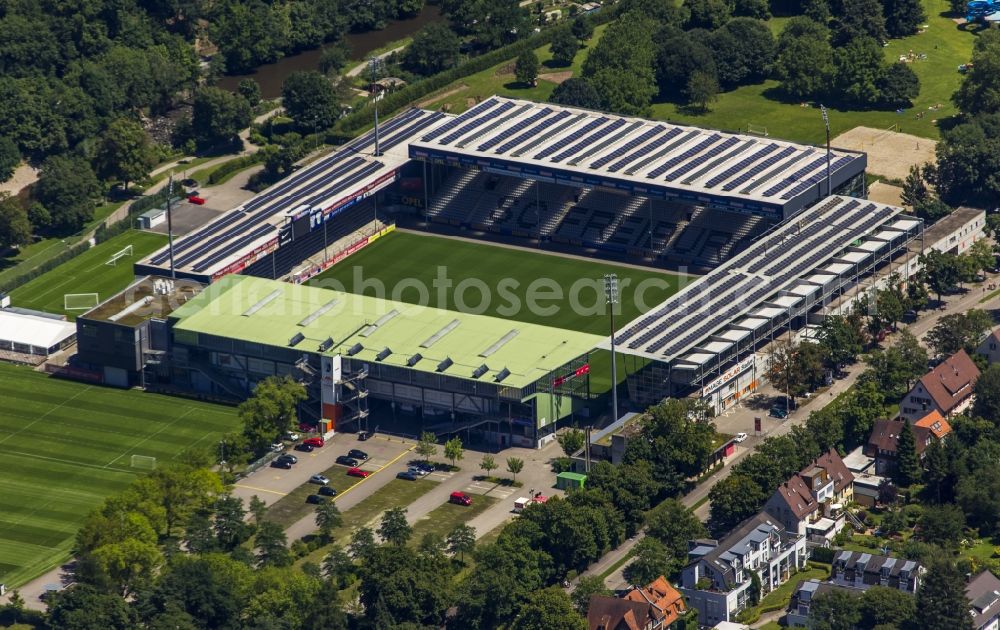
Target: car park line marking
240, 485
390, 463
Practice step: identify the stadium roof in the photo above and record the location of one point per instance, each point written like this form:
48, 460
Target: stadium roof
275, 313
237, 237
642, 156
773, 263
32, 330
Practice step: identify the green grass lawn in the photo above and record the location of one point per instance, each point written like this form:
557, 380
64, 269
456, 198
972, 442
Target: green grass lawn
181, 171
506, 274
88, 273
202, 175
447, 516
779, 597
292, 507
65, 446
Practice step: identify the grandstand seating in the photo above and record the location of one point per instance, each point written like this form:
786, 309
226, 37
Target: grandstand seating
592, 217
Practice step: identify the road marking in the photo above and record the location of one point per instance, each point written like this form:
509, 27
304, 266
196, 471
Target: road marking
390, 463
240, 485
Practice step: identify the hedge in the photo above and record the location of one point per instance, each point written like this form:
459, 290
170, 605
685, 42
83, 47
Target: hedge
228, 168
346, 127
71, 252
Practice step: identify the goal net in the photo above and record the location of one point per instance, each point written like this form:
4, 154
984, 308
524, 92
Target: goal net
757, 130
126, 251
143, 462
79, 301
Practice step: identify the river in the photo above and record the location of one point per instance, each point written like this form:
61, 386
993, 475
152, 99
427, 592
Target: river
271, 76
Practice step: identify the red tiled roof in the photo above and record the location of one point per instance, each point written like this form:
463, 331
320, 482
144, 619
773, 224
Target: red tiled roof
664, 600
951, 382
885, 435
836, 468
611, 613
935, 423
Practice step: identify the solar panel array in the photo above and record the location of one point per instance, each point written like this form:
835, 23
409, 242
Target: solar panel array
645, 152
772, 263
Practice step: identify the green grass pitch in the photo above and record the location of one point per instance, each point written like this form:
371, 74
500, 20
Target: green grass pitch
401, 261
88, 273
65, 446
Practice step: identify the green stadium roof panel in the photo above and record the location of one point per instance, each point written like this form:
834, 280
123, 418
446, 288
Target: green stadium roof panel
361, 327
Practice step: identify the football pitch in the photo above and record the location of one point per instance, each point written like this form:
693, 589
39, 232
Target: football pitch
512, 283
65, 446
88, 273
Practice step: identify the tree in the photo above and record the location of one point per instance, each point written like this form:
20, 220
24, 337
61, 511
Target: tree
549, 609
968, 151
582, 28
941, 271
576, 92
394, 528
744, 51
462, 540
526, 68
702, 89
453, 450
651, 559
803, 61
488, 464
125, 152
250, 90
679, 56
504, 575
572, 441
271, 410
707, 14
675, 446
835, 609
842, 341
942, 525
412, 587
272, 545
734, 499
890, 305
230, 526
979, 92
10, 158
987, 401
337, 567
333, 59
310, 100
586, 588
898, 85
435, 48
514, 466
328, 518
888, 494
630, 486
981, 256
83, 607
979, 497
903, 17
915, 191
859, 19
258, 508
427, 446
67, 187
564, 46
620, 66
432, 544
907, 460
674, 524
959, 331
858, 70
362, 543
218, 115
941, 600
15, 229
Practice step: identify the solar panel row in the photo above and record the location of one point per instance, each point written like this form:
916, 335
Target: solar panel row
652, 146
515, 128
532, 133
564, 141
458, 120
740, 147
549, 134
576, 159
797, 157
806, 183
794, 177
628, 146
476, 122
643, 163
701, 159
768, 161
689, 153
576, 148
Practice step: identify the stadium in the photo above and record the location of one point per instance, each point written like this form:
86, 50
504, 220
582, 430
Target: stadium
781, 232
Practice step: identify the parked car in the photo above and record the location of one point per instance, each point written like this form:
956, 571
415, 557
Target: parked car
406, 475
314, 441
327, 491
281, 464
290, 436
356, 454
277, 447
196, 200
460, 498
320, 479
357, 472
305, 448
417, 470
363, 435
288, 457
778, 412
344, 460
425, 466
740, 437
315, 499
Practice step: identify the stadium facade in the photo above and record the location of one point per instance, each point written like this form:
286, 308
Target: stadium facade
783, 230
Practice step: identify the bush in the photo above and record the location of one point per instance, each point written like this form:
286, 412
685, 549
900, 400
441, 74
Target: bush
823, 554
562, 464
228, 168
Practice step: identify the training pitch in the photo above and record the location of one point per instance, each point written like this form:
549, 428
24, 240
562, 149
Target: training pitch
65, 446
403, 261
88, 273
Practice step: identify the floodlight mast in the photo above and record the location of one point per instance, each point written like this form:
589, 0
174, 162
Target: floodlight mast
611, 293
170, 228
373, 62
826, 122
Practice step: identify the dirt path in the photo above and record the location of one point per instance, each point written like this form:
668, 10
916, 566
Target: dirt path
443, 95
24, 175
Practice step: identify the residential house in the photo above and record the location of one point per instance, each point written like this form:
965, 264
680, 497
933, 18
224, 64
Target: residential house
885, 435
990, 348
717, 580
655, 606
811, 502
856, 569
983, 592
866, 482
948, 389
800, 605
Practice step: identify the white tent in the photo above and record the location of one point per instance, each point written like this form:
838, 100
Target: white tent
31, 334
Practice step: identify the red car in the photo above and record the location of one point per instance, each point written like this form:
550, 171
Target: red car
357, 472
314, 441
196, 200
460, 498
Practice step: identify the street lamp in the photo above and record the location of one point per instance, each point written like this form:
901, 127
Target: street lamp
611, 293
826, 122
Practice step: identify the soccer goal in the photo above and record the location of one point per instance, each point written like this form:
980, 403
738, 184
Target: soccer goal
144, 462
757, 130
125, 252
80, 301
